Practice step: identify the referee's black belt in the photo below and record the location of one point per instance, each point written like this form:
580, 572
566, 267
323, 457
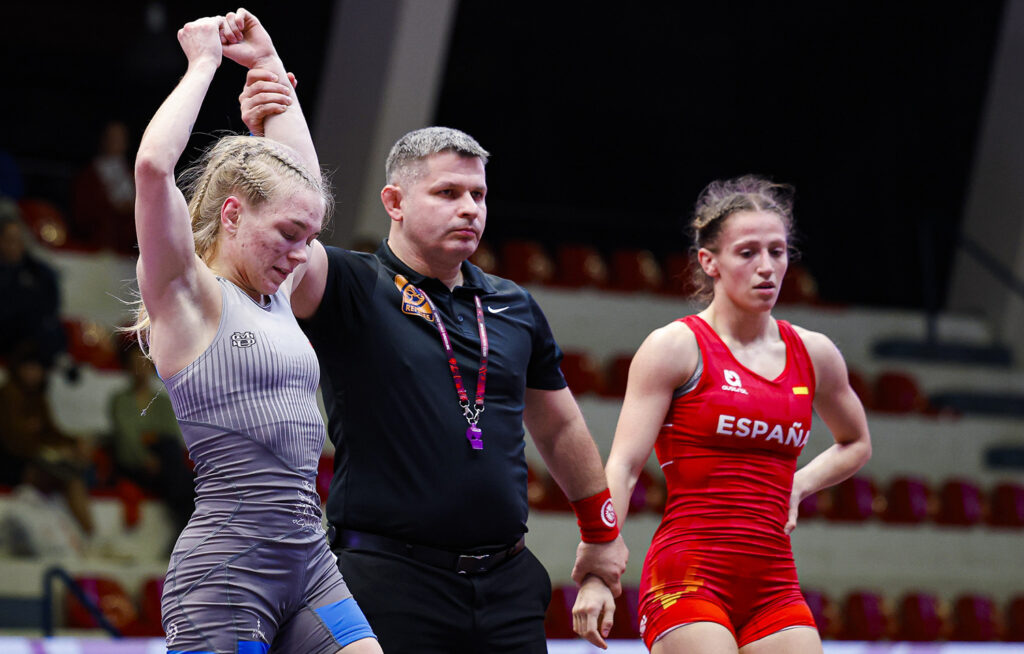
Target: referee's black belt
464, 564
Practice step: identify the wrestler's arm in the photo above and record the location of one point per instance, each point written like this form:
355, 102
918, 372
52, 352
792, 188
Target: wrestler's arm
564, 442
663, 362
270, 107
843, 413
172, 279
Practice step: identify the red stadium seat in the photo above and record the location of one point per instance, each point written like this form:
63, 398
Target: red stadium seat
866, 616
45, 221
324, 473
814, 506
1007, 502
922, 618
975, 618
582, 373
853, 500
898, 392
798, 286
679, 274
534, 485
862, 388
526, 262
617, 376
558, 620
580, 265
909, 500
547, 495
626, 623
149, 615
961, 503
648, 494
91, 343
636, 270
131, 496
485, 258
824, 612
111, 599
1015, 620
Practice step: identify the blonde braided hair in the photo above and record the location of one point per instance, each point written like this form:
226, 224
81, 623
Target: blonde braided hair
252, 167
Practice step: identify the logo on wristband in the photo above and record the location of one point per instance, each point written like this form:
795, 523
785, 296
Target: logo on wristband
608, 513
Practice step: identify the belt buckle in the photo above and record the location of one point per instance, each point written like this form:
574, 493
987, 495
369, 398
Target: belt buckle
472, 563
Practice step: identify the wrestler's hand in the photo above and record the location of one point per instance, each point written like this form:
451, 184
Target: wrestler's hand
795, 498
201, 40
604, 560
594, 611
263, 96
245, 40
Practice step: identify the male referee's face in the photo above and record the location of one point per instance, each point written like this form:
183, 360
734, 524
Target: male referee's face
445, 209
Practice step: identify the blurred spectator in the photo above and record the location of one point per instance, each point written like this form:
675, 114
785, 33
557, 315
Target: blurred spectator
146, 442
103, 196
33, 449
31, 299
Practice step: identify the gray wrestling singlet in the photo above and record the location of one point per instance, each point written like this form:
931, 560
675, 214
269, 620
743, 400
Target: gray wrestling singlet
253, 568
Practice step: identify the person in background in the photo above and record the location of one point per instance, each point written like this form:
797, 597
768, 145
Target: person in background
145, 440
33, 448
103, 195
31, 292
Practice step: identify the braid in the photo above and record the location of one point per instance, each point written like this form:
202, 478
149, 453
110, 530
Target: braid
249, 179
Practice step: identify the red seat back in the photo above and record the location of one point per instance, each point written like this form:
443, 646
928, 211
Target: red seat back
636, 270
975, 618
581, 265
1007, 505
853, 500
922, 618
526, 262
908, 501
558, 620
866, 616
109, 596
898, 392
961, 503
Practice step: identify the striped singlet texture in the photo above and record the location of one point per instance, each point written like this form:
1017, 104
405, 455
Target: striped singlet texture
248, 413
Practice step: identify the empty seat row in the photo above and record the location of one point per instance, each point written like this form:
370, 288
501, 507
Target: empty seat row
917, 617
579, 266
912, 500
905, 500
860, 615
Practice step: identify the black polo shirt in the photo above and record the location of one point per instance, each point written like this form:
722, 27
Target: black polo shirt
403, 466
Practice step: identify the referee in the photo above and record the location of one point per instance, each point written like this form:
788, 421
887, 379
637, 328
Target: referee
429, 369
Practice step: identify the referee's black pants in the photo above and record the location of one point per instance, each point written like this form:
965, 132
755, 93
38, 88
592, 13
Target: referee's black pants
415, 608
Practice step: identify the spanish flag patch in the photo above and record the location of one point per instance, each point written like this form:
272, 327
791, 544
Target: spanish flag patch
800, 390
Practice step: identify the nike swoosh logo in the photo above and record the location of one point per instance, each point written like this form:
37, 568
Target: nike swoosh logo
493, 310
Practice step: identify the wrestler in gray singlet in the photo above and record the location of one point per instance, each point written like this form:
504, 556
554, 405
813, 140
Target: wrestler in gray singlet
253, 568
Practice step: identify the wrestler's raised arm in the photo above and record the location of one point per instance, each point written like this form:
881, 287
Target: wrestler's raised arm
270, 107
173, 281
249, 44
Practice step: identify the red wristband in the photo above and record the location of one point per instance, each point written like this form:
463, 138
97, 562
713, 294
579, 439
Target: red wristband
596, 517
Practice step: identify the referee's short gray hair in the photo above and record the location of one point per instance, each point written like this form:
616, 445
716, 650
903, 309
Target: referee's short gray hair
410, 150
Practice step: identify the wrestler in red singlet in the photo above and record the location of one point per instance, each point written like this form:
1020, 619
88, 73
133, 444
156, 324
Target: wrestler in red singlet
720, 567
728, 449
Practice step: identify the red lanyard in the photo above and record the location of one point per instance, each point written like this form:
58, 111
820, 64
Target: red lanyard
472, 410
